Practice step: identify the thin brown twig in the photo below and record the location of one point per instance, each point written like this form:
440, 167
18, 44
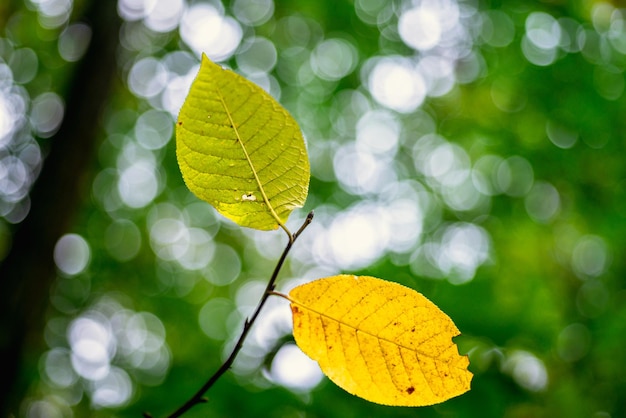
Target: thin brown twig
198, 397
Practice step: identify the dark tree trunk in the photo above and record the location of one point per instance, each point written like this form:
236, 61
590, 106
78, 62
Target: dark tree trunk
28, 271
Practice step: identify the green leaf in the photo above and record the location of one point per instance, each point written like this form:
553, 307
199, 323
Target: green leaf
240, 150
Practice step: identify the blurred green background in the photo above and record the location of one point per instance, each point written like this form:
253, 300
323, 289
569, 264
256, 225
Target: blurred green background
471, 150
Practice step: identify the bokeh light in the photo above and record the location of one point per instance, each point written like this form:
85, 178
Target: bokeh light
253, 12
53, 13
157, 15
23, 63
73, 41
333, 59
46, 114
58, 367
573, 342
49, 407
226, 266
545, 35
373, 12
378, 133
543, 202
257, 56
395, 83
294, 369
498, 29
123, 239
561, 136
216, 318
154, 129
92, 346
72, 254
138, 184
355, 238
110, 347
207, 30
147, 77
20, 154
361, 172
455, 252
182, 68
515, 176
590, 257
421, 27
527, 370
426, 144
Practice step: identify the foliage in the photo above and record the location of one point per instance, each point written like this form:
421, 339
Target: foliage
376, 339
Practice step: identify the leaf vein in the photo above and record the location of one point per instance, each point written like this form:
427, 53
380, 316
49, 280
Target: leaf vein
415, 350
245, 151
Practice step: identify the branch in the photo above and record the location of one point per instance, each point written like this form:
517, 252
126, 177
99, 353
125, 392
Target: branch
199, 396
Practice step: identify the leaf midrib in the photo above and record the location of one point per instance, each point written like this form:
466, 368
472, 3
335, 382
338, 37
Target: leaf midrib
370, 334
250, 164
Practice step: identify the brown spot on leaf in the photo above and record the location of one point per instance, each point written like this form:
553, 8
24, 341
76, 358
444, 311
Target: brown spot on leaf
180, 124
410, 390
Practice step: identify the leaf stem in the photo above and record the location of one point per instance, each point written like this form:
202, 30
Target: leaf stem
282, 295
199, 395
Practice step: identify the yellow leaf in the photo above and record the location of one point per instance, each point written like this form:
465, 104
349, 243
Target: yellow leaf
379, 340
